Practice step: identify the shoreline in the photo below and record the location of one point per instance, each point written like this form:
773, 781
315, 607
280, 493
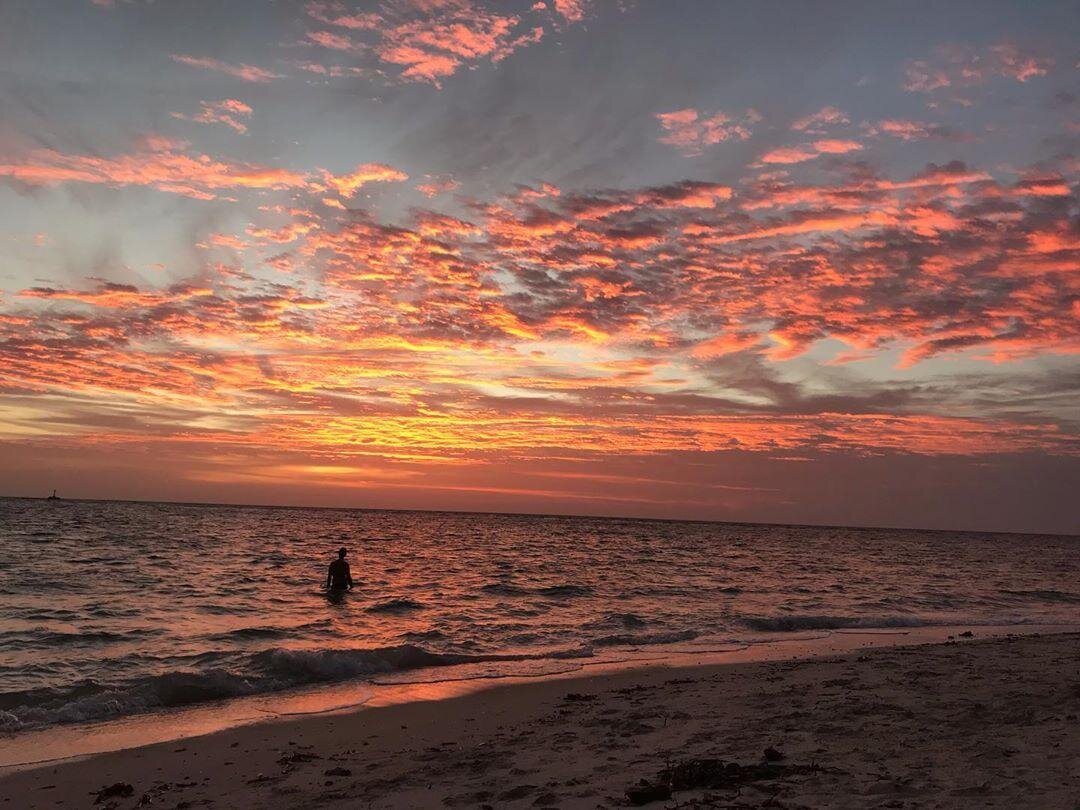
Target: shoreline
989, 721
386, 707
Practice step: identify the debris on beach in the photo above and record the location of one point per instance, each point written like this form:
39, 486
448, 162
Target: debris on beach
645, 792
714, 774
299, 756
519, 792
116, 790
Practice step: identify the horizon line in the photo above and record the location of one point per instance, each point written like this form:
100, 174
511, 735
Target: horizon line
539, 514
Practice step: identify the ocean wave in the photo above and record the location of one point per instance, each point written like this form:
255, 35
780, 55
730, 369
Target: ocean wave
263, 672
503, 589
251, 633
423, 635
265, 632
795, 622
396, 606
644, 639
1048, 596
564, 590
49, 639
626, 619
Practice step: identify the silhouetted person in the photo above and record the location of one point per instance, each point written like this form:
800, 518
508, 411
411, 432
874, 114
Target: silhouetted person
338, 577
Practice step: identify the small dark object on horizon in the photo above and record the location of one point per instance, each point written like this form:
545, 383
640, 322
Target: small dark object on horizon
578, 696
116, 789
772, 755
337, 772
967, 634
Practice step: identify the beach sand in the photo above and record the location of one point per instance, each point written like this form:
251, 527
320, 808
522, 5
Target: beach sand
969, 723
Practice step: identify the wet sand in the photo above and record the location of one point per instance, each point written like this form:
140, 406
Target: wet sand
967, 723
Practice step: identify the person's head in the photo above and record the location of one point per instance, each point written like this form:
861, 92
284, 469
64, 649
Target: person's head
341, 552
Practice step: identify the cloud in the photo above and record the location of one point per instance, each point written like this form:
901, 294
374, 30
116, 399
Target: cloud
704, 315
170, 166
908, 130
162, 165
248, 73
691, 131
801, 154
427, 41
818, 123
230, 112
955, 67
335, 13
438, 185
570, 10
348, 184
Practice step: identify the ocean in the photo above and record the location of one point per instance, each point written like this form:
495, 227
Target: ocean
110, 609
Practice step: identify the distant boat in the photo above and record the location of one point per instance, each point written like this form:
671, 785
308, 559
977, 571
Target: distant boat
54, 497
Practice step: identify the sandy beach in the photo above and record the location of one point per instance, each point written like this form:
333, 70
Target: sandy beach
967, 723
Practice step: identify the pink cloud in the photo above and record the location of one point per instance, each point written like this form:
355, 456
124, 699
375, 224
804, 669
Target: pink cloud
1011, 62
330, 40
229, 112
817, 123
962, 66
335, 13
800, 154
789, 154
248, 73
837, 146
571, 10
428, 41
905, 130
691, 131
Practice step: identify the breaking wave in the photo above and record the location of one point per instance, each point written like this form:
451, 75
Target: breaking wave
793, 623
555, 591
643, 639
268, 671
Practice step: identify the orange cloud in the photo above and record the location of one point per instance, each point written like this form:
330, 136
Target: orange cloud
166, 165
800, 154
348, 184
229, 112
637, 320
436, 186
166, 169
571, 10
427, 41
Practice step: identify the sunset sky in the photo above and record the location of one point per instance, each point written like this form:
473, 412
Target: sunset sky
789, 262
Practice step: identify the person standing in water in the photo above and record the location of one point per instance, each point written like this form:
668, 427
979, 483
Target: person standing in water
338, 577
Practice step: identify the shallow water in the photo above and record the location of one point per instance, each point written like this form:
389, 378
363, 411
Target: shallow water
113, 609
